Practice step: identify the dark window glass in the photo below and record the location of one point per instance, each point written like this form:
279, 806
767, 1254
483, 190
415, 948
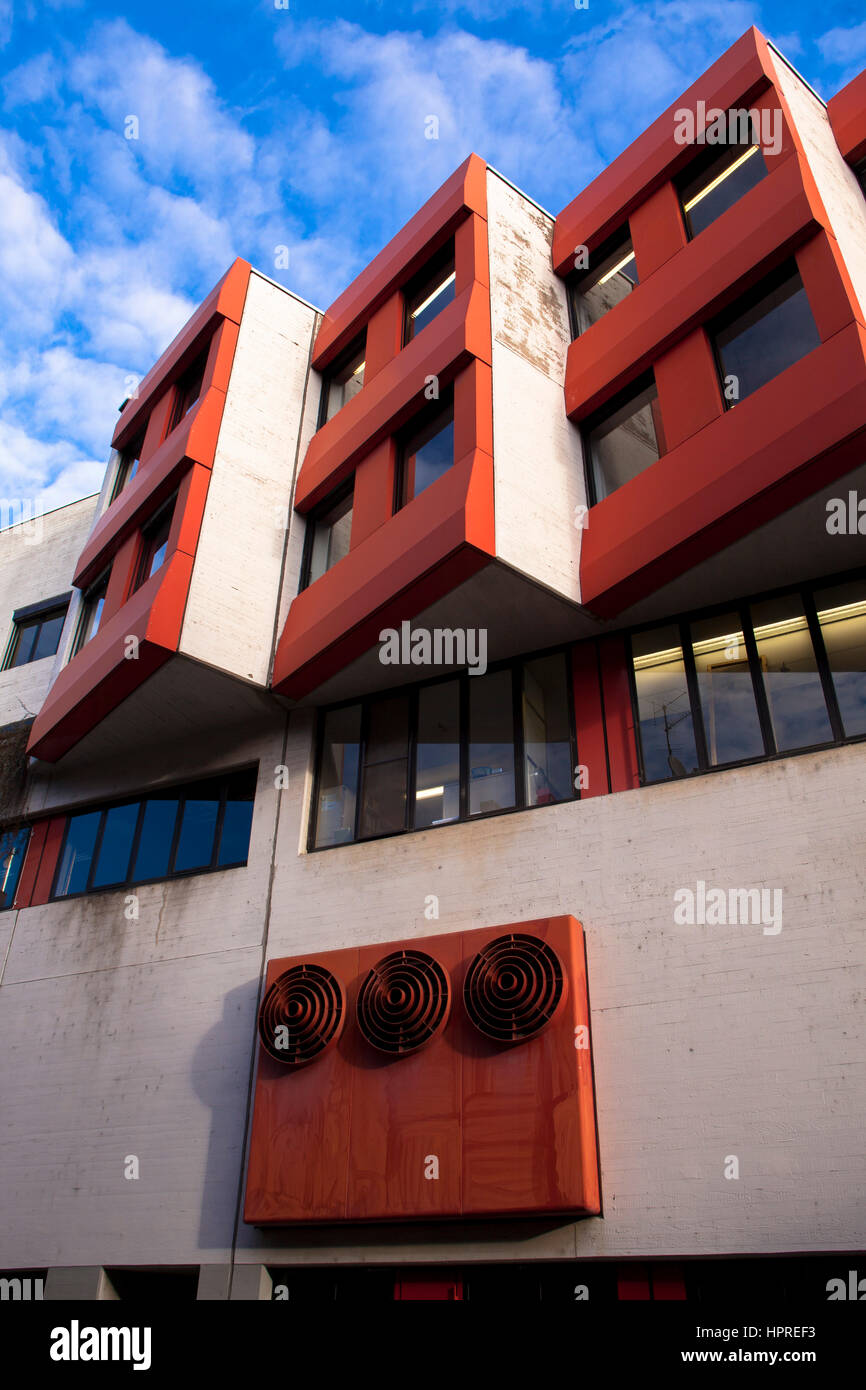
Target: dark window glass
112, 865
327, 537
429, 295
127, 466
91, 612
842, 615
386, 762
235, 835
664, 710
13, 847
757, 342
719, 179
546, 731
437, 755
338, 776
343, 381
198, 825
154, 544
611, 277
153, 856
77, 856
426, 454
798, 710
187, 391
624, 442
731, 724
491, 743
35, 638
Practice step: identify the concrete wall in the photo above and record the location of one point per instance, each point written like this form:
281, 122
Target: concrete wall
234, 591
538, 462
37, 561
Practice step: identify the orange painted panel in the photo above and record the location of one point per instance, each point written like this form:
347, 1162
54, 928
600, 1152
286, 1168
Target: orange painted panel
618, 714
688, 388
589, 718
30, 867
847, 112
48, 862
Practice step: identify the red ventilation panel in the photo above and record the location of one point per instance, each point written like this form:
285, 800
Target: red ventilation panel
433, 1078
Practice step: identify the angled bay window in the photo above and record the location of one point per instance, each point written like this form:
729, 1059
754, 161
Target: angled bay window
429, 293
187, 390
720, 175
177, 831
154, 543
757, 681
13, 847
425, 450
127, 466
90, 615
343, 380
35, 632
624, 439
453, 749
328, 533
761, 335
610, 277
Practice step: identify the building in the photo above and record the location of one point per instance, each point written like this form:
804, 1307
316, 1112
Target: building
521, 592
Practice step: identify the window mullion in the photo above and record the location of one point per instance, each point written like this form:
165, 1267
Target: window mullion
758, 682
693, 687
823, 663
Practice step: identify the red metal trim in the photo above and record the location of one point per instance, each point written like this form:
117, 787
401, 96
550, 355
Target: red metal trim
30, 867
847, 112
589, 718
56, 828
618, 714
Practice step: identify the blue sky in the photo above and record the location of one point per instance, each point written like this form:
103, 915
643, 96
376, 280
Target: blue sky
302, 127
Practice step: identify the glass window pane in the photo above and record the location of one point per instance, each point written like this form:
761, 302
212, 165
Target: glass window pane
842, 615
112, 865
428, 453
331, 535
238, 818
664, 710
437, 755
198, 827
386, 762
13, 847
721, 184
431, 299
345, 383
338, 777
546, 731
602, 287
731, 723
491, 743
768, 337
624, 444
157, 832
49, 636
77, 853
798, 711
27, 634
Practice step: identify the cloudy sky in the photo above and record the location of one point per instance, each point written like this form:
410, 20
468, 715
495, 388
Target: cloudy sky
301, 126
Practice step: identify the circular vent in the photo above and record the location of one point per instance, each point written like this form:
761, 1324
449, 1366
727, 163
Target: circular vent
301, 1014
403, 1001
514, 988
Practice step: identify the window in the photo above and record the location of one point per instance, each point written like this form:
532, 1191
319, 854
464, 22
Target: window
425, 452
764, 334
445, 751
36, 632
13, 847
328, 533
90, 615
344, 380
154, 543
860, 175
181, 830
755, 681
612, 276
719, 177
624, 441
127, 466
187, 390
428, 294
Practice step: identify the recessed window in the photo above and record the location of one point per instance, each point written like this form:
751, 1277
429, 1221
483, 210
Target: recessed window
428, 294
35, 632
328, 533
187, 390
764, 334
127, 466
718, 178
610, 278
186, 829
90, 615
344, 380
758, 680
425, 451
154, 543
626, 439
13, 847
445, 751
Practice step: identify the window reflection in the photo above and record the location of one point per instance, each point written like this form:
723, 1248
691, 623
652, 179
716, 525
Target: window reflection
795, 696
437, 755
731, 725
666, 728
842, 615
546, 731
